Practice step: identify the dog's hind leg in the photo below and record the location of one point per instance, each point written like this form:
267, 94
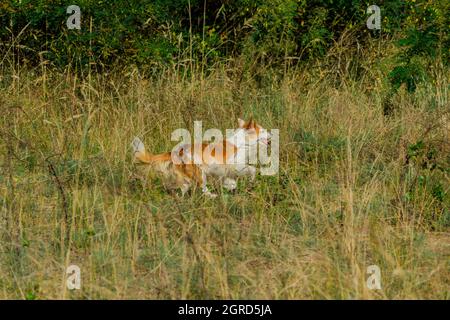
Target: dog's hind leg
185, 188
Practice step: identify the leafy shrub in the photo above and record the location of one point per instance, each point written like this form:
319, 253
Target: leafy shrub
150, 33
425, 36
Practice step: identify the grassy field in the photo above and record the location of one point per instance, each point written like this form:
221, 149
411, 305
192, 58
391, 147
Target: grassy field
355, 188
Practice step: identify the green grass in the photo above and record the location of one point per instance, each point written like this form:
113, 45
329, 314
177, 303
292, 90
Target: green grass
347, 196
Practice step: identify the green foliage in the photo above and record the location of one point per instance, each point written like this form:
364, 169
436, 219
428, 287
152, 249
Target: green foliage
150, 33
111, 32
427, 178
30, 295
425, 38
409, 74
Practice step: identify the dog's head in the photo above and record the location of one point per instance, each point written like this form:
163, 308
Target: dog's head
254, 133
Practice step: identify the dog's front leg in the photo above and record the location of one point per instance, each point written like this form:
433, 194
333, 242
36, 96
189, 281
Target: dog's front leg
246, 170
205, 189
229, 184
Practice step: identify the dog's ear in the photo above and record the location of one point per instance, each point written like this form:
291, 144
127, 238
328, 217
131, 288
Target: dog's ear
251, 124
241, 123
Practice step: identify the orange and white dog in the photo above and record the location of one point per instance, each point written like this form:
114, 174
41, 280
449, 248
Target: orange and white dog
191, 164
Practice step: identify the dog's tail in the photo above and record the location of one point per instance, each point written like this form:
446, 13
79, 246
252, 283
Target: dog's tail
140, 155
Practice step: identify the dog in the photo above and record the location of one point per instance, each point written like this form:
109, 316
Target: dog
191, 164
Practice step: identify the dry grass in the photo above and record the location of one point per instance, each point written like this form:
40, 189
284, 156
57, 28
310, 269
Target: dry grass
348, 194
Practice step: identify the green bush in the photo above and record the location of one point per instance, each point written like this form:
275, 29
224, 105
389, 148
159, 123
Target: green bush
150, 33
425, 39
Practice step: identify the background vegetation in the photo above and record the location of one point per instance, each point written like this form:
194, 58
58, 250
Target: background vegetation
365, 153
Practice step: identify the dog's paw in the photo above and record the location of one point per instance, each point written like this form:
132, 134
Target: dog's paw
230, 184
210, 194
